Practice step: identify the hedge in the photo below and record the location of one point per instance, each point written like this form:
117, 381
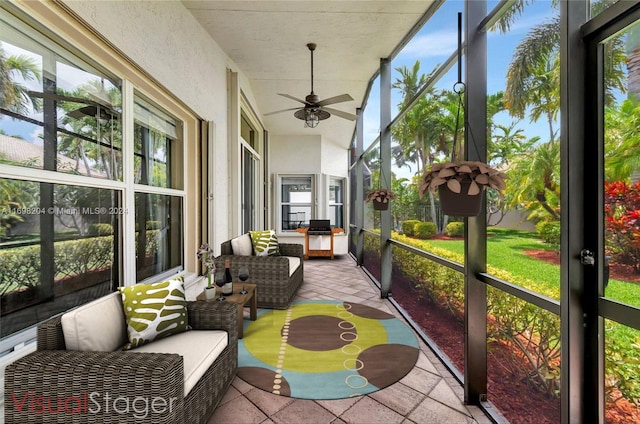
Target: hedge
20, 266
532, 331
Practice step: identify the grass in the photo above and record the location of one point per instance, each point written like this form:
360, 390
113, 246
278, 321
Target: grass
506, 251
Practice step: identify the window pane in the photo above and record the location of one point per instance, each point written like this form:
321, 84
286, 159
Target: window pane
158, 147
58, 249
57, 112
296, 195
159, 241
336, 202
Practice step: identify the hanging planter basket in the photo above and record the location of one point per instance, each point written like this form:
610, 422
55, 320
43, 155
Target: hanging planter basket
380, 197
459, 204
380, 205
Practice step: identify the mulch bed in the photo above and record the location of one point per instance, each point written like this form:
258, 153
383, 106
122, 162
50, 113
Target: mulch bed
516, 400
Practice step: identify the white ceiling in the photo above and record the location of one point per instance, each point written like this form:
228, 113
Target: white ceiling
267, 40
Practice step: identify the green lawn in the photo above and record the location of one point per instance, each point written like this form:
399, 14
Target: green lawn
505, 250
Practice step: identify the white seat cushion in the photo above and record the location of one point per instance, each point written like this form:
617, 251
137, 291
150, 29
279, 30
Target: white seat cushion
294, 263
199, 348
242, 245
96, 326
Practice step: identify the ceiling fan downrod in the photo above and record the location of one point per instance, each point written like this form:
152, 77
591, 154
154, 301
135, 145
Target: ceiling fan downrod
312, 47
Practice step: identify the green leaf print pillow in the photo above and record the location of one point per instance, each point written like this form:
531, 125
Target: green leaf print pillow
265, 243
154, 311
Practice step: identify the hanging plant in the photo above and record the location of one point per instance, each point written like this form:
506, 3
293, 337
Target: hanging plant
380, 198
460, 184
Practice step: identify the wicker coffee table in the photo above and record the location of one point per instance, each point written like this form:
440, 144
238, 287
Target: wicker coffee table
249, 299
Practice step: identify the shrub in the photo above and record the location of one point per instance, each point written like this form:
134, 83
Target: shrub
549, 232
424, 230
622, 211
21, 265
454, 229
408, 226
153, 225
100, 229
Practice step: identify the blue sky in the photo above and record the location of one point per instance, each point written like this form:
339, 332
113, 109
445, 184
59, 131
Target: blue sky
438, 40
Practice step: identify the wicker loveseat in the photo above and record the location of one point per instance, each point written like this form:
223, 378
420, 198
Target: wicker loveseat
277, 277
55, 385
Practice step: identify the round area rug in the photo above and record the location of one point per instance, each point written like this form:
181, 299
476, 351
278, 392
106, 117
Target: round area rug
324, 349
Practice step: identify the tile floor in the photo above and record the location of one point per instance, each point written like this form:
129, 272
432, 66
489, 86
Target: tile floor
428, 394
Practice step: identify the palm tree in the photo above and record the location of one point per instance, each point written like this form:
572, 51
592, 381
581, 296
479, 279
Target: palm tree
13, 95
534, 181
508, 142
410, 83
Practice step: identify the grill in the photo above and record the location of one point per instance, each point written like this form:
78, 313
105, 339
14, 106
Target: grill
319, 227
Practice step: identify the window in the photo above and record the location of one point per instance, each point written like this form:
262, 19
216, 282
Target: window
296, 200
158, 147
336, 201
158, 216
69, 231
250, 176
60, 222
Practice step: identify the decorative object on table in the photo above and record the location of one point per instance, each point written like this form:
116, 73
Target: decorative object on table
380, 198
325, 349
243, 275
205, 254
227, 288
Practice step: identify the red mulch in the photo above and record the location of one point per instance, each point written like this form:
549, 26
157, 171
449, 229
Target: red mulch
513, 397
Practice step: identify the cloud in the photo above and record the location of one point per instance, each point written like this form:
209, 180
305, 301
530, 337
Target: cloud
436, 44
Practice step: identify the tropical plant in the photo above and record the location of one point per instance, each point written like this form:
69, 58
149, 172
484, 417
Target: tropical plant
622, 218
15, 96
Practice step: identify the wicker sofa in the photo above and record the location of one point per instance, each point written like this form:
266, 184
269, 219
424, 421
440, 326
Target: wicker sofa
55, 385
277, 277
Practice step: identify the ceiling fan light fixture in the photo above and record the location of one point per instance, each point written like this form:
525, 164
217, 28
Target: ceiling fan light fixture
311, 120
311, 116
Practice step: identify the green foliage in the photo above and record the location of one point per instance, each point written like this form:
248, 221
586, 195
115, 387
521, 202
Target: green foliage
153, 225
533, 332
424, 230
100, 230
549, 232
454, 229
21, 265
20, 268
408, 226
75, 257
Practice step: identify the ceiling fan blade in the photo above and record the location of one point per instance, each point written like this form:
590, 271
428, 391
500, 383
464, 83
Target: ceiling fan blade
279, 111
292, 98
336, 99
340, 113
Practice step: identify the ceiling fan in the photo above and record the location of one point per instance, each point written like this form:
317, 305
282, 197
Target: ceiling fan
314, 109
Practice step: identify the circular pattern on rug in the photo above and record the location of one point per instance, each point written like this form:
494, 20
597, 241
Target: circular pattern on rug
323, 349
